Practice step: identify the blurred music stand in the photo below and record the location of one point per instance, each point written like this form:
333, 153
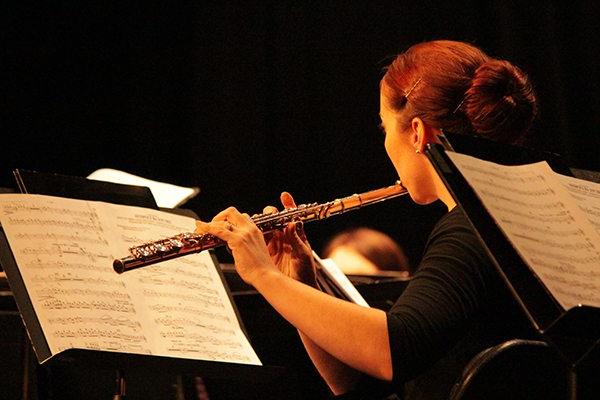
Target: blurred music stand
75, 187
575, 333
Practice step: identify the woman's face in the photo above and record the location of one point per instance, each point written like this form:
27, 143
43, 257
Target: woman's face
413, 169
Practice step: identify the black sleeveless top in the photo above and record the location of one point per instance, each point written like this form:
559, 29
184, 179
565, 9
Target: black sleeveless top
455, 306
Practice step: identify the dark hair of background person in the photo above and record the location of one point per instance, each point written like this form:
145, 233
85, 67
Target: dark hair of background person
375, 246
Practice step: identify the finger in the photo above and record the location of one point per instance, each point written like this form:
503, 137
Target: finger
299, 245
299, 231
274, 242
287, 200
232, 215
237, 218
295, 232
222, 216
200, 227
270, 210
247, 216
221, 229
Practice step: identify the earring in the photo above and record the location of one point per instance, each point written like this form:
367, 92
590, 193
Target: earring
417, 151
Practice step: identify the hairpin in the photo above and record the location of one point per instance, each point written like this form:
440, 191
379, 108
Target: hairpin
406, 94
459, 104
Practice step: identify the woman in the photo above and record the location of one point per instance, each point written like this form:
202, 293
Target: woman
455, 305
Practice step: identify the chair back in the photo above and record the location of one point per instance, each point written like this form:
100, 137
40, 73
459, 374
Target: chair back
516, 369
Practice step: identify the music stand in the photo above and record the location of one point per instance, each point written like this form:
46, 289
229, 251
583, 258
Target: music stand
575, 333
76, 187
33, 182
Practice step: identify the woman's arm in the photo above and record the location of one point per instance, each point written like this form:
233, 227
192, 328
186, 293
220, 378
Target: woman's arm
339, 377
354, 335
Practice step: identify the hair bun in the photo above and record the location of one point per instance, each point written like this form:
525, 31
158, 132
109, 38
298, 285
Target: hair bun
500, 103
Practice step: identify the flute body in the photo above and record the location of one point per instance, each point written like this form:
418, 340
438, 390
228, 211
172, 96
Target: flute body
187, 243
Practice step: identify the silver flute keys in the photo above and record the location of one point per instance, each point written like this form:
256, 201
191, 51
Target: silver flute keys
187, 243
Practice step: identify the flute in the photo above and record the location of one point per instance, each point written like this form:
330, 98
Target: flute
188, 243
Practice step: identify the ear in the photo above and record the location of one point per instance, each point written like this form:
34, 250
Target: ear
422, 134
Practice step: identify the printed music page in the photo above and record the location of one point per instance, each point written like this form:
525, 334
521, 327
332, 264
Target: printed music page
334, 273
166, 194
64, 249
543, 222
587, 196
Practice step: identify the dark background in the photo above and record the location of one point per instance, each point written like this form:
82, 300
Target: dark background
245, 101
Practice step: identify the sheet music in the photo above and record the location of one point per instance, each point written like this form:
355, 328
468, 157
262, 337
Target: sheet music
543, 222
587, 196
337, 275
166, 194
64, 249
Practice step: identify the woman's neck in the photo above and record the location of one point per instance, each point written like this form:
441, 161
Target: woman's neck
443, 193
447, 199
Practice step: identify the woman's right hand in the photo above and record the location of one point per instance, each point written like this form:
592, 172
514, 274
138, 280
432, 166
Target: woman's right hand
254, 254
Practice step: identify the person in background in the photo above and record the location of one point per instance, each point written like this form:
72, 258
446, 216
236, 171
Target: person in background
455, 304
366, 251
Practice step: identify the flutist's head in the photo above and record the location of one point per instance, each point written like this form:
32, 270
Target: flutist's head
454, 87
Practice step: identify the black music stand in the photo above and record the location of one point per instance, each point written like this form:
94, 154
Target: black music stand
574, 333
85, 189
76, 187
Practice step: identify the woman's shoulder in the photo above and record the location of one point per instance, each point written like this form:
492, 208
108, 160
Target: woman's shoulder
453, 223
454, 217
454, 245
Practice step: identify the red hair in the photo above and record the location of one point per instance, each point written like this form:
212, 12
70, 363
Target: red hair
457, 87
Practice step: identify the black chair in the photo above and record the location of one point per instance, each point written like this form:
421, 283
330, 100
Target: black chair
516, 369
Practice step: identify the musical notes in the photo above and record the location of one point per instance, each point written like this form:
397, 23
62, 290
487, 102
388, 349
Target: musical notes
183, 323
571, 259
99, 333
201, 339
53, 292
208, 301
212, 355
61, 238
60, 250
72, 306
29, 209
179, 283
102, 320
183, 299
160, 308
587, 196
48, 264
56, 279
53, 223
555, 230
563, 266
64, 249
495, 174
